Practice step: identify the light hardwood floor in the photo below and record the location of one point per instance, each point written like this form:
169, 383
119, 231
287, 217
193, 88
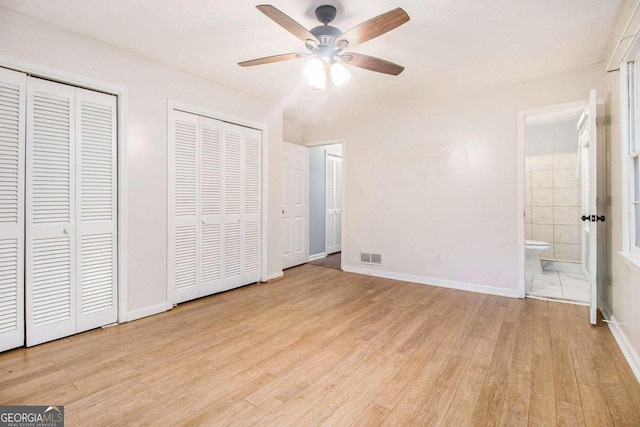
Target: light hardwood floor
327, 347
330, 261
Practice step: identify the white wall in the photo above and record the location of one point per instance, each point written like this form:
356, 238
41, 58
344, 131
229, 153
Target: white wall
293, 132
149, 85
551, 138
432, 186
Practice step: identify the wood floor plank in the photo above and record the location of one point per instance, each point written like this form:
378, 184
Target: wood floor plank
373, 415
569, 414
490, 403
515, 410
325, 346
542, 401
594, 407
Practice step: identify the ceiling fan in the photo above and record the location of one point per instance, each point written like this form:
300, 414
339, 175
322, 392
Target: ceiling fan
325, 45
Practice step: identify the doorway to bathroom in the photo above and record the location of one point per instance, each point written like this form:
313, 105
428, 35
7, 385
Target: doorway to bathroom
559, 162
325, 203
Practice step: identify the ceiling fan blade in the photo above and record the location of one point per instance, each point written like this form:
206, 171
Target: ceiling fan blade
370, 63
270, 59
375, 27
286, 22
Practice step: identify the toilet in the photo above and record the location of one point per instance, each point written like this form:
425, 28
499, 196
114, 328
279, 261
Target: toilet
532, 250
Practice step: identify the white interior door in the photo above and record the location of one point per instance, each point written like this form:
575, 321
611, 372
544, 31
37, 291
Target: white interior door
251, 204
71, 211
295, 249
241, 205
232, 206
96, 209
587, 132
183, 221
214, 239
12, 187
50, 212
210, 197
333, 222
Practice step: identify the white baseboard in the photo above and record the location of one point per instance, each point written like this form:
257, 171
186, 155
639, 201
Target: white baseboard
147, 311
317, 256
627, 349
274, 276
463, 286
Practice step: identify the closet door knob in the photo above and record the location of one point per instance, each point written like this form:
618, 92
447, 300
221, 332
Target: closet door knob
66, 231
203, 222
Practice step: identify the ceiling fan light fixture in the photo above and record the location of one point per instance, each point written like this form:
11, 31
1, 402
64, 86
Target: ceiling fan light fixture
314, 71
339, 74
326, 43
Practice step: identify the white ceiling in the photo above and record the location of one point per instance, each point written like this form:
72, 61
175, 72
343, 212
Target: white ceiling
448, 46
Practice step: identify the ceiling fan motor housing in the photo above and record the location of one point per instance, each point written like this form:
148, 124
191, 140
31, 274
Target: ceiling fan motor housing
326, 13
326, 34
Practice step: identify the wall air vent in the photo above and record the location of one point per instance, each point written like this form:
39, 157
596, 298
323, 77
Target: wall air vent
372, 259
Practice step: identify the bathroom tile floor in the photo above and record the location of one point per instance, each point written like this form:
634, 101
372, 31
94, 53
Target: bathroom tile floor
560, 280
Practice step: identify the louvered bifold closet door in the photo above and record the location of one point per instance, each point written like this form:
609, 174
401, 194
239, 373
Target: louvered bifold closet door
214, 206
183, 206
12, 175
232, 206
251, 168
210, 196
50, 212
96, 211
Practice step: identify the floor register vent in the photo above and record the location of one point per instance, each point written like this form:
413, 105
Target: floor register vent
367, 258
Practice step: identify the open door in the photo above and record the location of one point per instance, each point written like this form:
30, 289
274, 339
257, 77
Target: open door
588, 138
333, 242
295, 249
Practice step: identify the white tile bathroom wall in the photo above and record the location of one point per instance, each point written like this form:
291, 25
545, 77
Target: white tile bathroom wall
552, 204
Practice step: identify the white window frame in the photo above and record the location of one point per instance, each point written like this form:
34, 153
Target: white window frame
630, 117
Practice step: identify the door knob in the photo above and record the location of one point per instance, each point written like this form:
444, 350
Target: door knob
203, 222
66, 231
593, 218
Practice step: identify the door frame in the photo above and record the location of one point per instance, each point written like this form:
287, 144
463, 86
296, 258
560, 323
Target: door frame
568, 107
173, 105
343, 233
58, 75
